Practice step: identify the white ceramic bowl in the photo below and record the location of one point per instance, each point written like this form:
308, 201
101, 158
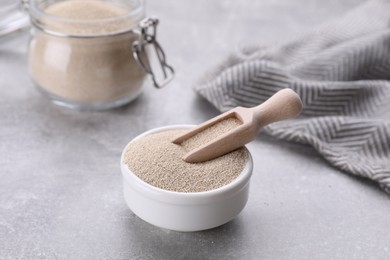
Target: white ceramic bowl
182, 211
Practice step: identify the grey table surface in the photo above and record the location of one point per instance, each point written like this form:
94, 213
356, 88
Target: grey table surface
61, 186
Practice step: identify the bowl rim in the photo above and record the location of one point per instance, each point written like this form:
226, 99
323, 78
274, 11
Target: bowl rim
174, 196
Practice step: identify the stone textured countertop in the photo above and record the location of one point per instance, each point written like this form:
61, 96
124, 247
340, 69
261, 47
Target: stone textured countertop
60, 181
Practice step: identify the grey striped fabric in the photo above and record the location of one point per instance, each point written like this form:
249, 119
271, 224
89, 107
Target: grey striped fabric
342, 73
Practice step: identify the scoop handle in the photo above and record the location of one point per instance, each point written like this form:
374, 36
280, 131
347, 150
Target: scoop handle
282, 105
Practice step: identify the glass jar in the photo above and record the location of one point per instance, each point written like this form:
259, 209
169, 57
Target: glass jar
87, 54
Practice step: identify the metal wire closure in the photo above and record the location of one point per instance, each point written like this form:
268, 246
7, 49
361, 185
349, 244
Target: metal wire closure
147, 35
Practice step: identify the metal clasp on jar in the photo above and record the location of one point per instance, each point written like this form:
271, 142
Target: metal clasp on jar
147, 36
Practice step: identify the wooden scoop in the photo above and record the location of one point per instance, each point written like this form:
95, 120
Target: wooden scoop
282, 105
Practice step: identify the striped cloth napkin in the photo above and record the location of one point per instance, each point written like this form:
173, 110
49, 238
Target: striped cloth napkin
342, 73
